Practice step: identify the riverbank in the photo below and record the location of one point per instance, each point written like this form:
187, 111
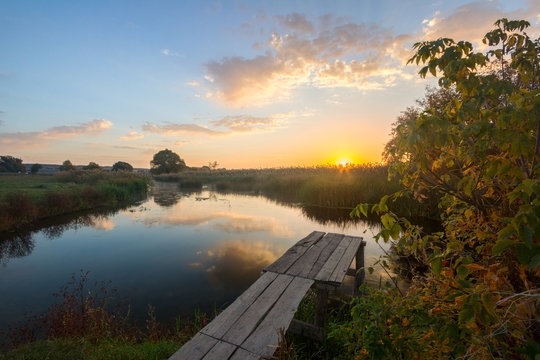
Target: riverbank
320, 186
28, 198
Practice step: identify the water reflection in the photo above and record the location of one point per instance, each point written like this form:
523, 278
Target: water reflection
236, 264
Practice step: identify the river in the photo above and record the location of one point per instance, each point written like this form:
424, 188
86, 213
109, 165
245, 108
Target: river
178, 251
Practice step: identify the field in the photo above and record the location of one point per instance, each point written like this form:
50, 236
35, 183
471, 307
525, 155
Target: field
26, 198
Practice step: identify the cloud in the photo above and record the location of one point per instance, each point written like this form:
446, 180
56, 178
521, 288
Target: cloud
132, 135
472, 21
171, 129
33, 140
168, 52
246, 123
228, 125
339, 53
335, 52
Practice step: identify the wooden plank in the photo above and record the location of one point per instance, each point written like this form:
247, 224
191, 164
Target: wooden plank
282, 264
195, 349
303, 328
333, 241
220, 351
242, 354
219, 326
328, 268
341, 269
245, 324
360, 271
303, 266
265, 338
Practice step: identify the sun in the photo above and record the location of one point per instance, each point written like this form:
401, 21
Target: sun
344, 162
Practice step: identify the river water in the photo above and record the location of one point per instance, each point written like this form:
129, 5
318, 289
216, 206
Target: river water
178, 251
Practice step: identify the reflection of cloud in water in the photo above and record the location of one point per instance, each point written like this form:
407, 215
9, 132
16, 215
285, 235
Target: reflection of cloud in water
103, 224
227, 222
238, 263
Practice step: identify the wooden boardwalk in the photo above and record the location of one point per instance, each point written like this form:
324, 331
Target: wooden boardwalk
249, 327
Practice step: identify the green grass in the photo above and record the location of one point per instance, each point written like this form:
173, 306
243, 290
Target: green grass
27, 198
82, 348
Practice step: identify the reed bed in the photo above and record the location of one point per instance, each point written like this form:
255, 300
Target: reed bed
323, 186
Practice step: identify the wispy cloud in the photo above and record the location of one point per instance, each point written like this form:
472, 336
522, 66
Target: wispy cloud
34, 139
171, 129
168, 52
228, 125
132, 135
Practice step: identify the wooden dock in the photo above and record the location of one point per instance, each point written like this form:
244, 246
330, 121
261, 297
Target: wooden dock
249, 328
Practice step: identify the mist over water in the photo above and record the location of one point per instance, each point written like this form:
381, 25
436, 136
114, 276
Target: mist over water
178, 251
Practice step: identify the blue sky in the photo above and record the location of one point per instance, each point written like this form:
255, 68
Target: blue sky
247, 84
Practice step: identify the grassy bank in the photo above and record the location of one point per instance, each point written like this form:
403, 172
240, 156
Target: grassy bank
323, 186
27, 198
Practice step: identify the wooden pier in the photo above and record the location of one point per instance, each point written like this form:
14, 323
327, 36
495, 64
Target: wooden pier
249, 328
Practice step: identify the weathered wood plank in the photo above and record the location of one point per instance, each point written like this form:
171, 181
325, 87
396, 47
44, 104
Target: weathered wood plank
242, 354
219, 326
245, 324
305, 263
220, 351
333, 241
196, 348
341, 268
360, 271
265, 338
330, 265
282, 264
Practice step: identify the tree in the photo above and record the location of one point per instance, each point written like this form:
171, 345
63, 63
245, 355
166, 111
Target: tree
213, 165
480, 149
67, 166
11, 164
122, 166
35, 168
92, 166
166, 162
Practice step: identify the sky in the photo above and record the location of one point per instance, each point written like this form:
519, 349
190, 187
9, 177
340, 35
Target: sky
249, 84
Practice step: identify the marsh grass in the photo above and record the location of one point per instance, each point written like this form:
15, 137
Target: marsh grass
322, 186
27, 198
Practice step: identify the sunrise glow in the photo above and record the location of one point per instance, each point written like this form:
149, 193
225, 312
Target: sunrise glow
245, 84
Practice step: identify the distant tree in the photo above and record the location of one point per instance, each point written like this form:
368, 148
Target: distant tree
166, 162
122, 166
35, 168
66, 166
92, 166
213, 165
11, 164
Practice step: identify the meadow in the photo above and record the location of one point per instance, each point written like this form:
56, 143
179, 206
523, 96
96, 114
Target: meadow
27, 198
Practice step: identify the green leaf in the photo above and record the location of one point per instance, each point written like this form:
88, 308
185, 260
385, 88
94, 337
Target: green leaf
364, 208
489, 303
466, 314
506, 232
388, 220
462, 271
535, 261
502, 245
436, 264
523, 254
525, 235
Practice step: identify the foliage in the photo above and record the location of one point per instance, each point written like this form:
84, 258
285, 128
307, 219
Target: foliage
35, 168
92, 166
122, 166
166, 162
24, 199
480, 152
11, 164
67, 166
